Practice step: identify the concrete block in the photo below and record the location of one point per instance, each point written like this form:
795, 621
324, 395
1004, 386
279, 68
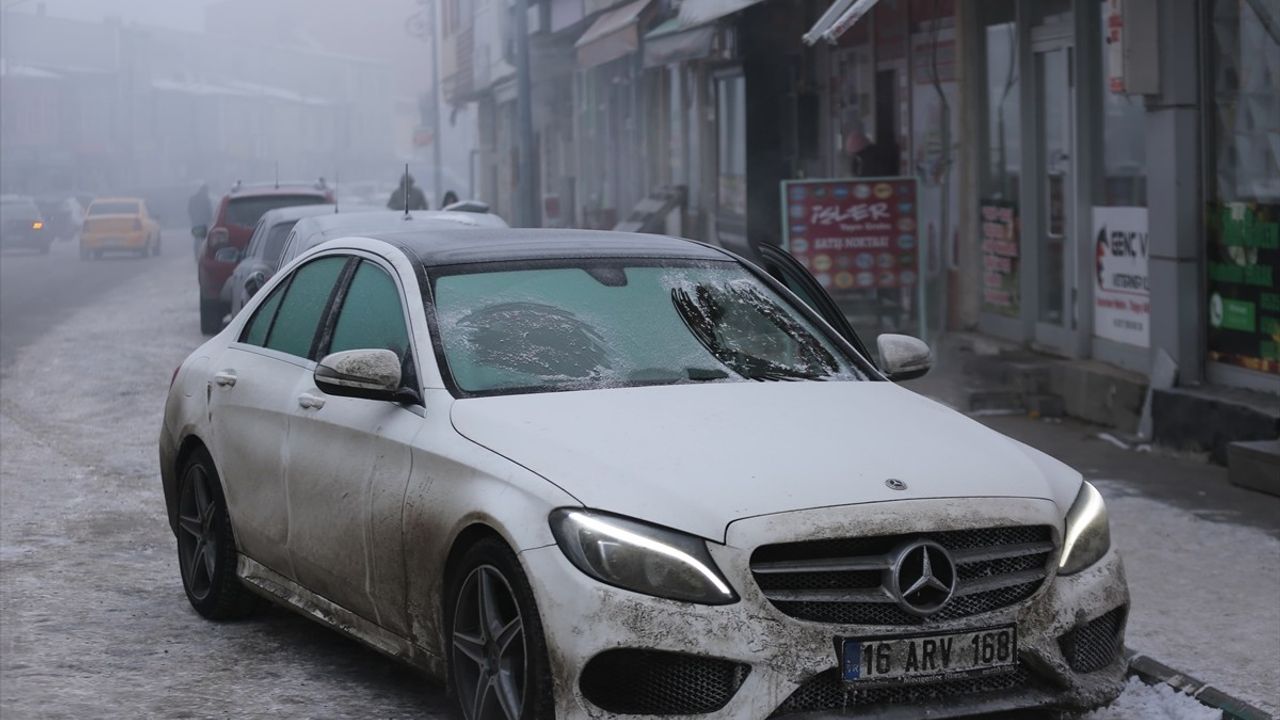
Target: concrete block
1101, 394
1209, 419
994, 399
1255, 465
1050, 406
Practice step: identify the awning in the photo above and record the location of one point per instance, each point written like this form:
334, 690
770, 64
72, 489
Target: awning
838, 18
614, 34
697, 12
673, 42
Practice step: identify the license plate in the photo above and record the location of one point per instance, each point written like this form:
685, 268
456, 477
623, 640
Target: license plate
922, 656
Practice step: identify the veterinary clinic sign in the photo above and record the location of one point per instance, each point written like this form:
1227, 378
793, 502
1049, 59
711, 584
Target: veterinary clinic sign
1121, 298
854, 234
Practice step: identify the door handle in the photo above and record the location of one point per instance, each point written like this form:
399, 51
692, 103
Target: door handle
310, 402
226, 378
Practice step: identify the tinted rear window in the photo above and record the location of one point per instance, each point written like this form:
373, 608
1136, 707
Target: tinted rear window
247, 211
114, 208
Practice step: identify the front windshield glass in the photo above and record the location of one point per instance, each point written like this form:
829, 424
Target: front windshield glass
625, 323
114, 208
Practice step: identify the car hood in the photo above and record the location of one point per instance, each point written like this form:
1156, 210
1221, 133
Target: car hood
698, 457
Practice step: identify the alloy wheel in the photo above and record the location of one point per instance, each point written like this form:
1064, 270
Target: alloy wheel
197, 532
488, 652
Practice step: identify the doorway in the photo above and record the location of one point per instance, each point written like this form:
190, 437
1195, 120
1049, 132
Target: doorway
1057, 285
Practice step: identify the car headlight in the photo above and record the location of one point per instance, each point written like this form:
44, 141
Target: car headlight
641, 557
1088, 533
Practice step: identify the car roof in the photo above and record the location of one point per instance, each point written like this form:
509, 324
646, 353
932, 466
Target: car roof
295, 212
116, 199
389, 220
242, 191
438, 247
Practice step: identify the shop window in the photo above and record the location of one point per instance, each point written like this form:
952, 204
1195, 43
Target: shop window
1002, 159
1124, 143
1243, 144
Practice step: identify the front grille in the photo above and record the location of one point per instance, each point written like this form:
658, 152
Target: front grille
845, 581
828, 691
1094, 645
652, 682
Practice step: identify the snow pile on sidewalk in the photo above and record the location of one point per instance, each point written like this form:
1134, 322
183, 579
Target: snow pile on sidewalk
1153, 702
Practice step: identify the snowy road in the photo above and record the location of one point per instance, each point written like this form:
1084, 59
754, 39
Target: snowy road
95, 623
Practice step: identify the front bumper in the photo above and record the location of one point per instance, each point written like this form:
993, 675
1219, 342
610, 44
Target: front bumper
583, 618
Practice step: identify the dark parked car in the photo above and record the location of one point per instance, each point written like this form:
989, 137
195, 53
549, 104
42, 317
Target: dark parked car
22, 224
225, 241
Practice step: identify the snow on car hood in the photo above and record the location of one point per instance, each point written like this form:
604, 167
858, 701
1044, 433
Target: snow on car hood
698, 457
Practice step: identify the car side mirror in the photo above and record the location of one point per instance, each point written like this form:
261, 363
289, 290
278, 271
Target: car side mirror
903, 357
227, 254
199, 231
369, 374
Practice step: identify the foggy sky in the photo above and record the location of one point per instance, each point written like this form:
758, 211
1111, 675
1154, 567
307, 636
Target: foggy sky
179, 14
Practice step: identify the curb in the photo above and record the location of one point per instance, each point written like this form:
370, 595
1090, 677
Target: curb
1153, 672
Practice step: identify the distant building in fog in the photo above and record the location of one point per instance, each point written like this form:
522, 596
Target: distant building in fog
106, 107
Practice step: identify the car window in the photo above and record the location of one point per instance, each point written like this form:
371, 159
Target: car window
274, 243
372, 315
246, 211
255, 240
287, 253
113, 208
255, 333
624, 323
303, 305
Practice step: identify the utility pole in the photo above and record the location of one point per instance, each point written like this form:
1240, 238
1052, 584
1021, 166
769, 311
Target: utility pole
424, 25
437, 182
526, 183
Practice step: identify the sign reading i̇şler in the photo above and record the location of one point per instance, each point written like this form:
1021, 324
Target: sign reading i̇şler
854, 234
1121, 298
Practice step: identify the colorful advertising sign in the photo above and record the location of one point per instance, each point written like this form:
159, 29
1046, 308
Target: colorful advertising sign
1244, 285
1000, 291
854, 234
1121, 298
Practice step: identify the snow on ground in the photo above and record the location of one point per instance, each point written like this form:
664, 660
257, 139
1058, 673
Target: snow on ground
95, 623
1204, 594
1158, 702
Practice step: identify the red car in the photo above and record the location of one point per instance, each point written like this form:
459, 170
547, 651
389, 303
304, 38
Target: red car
225, 241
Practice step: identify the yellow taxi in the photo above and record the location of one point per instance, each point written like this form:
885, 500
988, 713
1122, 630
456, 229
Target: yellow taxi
119, 225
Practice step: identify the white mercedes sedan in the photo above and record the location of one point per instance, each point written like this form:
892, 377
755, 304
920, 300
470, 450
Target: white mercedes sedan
588, 474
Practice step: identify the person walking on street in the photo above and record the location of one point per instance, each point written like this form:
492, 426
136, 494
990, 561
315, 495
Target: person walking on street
417, 200
200, 209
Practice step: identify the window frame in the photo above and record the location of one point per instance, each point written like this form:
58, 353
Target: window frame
326, 316
338, 301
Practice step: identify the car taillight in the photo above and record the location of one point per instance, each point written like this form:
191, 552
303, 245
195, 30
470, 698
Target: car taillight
137, 225
37, 225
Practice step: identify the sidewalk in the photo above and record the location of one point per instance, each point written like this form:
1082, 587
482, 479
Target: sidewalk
1202, 556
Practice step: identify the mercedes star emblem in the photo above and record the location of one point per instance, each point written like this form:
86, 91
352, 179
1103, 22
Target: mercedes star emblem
895, 484
922, 577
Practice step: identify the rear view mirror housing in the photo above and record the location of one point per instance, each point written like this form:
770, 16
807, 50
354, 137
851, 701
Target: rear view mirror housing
903, 357
199, 231
368, 373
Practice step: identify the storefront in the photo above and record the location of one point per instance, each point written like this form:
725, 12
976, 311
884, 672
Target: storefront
1242, 189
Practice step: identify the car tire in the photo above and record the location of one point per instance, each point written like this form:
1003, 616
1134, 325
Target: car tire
211, 312
496, 649
206, 545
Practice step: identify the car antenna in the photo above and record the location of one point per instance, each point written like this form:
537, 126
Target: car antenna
404, 184
335, 192
277, 174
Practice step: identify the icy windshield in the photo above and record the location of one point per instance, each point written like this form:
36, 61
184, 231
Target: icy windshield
624, 324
